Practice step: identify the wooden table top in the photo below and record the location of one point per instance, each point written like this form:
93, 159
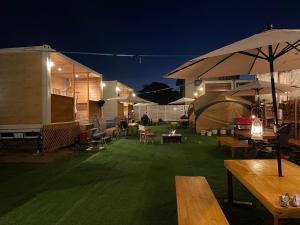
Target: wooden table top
261, 179
196, 203
247, 134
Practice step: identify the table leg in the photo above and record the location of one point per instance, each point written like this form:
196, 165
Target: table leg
233, 152
230, 192
229, 187
276, 220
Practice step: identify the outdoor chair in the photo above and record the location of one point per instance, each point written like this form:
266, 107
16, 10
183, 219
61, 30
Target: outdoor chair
148, 136
141, 132
268, 149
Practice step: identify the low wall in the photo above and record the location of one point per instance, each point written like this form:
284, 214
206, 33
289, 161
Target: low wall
59, 135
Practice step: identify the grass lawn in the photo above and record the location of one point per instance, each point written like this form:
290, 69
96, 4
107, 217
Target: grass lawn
129, 183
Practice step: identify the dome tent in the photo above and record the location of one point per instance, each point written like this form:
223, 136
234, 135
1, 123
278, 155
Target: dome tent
214, 110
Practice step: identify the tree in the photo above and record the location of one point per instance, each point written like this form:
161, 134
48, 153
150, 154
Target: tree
159, 92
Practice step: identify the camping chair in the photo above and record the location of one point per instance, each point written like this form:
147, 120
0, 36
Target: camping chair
283, 136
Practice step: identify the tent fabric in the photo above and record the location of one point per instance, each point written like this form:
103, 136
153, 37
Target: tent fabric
182, 101
218, 111
237, 58
263, 87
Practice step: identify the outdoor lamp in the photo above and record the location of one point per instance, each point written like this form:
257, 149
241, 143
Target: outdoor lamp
103, 84
117, 90
133, 95
257, 128
196, 94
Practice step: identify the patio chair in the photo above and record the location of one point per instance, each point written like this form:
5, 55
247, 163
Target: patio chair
141, 132
148, 136
268, 149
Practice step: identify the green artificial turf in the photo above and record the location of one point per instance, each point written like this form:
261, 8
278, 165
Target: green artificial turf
129, 183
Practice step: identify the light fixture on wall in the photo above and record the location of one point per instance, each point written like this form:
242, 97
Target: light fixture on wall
133, 94
76, 75
59, 69
196, 94
49, 64
118, 90
103, 84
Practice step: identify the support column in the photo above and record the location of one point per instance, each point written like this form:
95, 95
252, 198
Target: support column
46, 88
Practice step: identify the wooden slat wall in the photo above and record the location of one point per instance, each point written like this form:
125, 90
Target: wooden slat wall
94, 88
61, 108
81, 87
20, 88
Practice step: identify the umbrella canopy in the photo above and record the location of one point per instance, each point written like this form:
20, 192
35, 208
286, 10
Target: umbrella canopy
248, 56
182, 101
146, 104
260, 87
268, 51
129, 99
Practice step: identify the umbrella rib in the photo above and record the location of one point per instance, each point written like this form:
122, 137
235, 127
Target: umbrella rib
288, 48
218, 63
260, 51
254, 61
252, 55
175, 71
294, 47
275, 49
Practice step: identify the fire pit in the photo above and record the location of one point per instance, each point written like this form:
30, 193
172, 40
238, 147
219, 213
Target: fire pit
171, 137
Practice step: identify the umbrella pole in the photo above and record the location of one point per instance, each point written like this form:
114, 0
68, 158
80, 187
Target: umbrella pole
278, 152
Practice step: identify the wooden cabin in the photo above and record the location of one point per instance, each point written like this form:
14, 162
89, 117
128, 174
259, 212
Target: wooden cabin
116, 109
44, 89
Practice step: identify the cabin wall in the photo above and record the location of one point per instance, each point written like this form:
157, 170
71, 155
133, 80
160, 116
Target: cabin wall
21, 88
61, 109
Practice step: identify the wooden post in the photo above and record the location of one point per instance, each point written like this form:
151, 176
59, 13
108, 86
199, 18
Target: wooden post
74, 92
88, 96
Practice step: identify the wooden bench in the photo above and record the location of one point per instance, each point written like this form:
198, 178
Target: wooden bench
234, 144
196, 203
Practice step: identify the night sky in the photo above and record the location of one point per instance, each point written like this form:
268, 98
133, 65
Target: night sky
139, 27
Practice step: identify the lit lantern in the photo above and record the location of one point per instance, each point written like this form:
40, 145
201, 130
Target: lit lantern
257, 128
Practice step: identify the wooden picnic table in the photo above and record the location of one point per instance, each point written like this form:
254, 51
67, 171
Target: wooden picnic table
267, 135
261, 179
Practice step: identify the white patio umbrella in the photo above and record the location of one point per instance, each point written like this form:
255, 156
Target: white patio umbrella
258, 87
129, 99
268, 51
182, 101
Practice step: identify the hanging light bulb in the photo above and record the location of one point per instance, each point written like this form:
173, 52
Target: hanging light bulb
257, 128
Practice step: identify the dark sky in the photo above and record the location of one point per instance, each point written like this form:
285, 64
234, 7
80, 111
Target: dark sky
139, 27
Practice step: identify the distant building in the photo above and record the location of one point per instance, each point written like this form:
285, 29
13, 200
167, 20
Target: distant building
113, 109
41, 89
